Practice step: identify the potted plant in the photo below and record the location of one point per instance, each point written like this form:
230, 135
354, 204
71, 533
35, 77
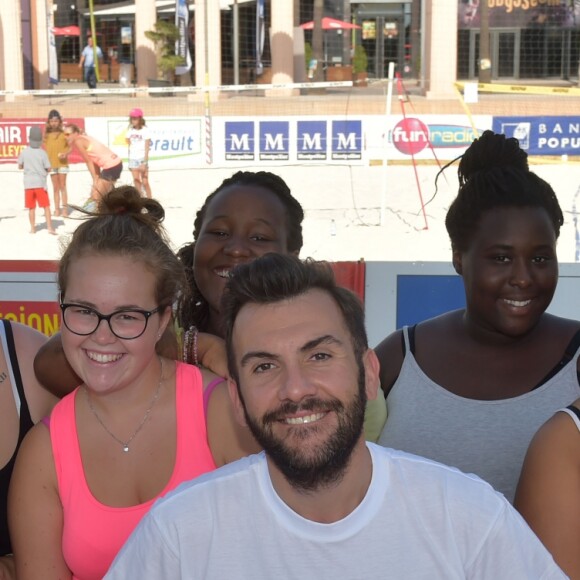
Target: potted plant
359, 66
164, 35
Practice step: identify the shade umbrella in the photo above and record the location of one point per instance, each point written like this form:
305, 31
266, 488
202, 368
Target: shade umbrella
71, 30
331, 24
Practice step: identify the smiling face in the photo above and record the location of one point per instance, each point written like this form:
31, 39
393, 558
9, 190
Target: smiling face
108, 283
71, 135
241, 223
510, 271
301, 390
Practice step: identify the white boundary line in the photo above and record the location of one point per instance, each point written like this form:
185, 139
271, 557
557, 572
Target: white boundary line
186, 90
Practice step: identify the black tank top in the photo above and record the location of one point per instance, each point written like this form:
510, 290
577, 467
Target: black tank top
25, 426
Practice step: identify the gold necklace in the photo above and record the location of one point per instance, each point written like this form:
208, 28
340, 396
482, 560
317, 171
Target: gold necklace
125, 444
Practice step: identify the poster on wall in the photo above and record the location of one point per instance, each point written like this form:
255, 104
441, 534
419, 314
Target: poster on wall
520, 13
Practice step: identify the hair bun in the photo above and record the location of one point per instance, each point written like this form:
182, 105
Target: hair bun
126, 200
490, 151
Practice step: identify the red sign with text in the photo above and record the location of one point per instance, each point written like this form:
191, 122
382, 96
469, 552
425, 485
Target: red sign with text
14, 137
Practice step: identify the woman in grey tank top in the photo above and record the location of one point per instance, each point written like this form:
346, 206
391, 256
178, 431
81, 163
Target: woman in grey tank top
469, 388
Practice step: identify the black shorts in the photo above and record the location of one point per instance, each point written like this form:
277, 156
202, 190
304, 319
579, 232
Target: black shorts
113, 173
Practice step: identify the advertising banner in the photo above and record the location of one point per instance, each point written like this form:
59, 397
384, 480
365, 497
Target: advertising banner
175, 141
14, 137
182, 43
542, 135
28, 294
442, 137
520, 13
294, 139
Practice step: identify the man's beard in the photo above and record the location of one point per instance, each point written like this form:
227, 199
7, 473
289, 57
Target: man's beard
307, 469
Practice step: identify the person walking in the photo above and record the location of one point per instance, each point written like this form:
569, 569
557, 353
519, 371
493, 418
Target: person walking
90, 57
36, 165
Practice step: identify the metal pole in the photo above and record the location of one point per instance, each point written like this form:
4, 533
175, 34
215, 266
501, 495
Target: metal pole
391, 77
236, 43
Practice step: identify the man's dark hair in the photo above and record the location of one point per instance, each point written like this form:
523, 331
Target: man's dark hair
276, 277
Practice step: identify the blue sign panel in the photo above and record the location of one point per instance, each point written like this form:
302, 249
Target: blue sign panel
274, 141
542, 135
425, 296
240, 140
311, 140
346, 140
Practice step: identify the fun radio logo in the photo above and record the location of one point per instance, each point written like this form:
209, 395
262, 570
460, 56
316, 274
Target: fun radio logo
410, 136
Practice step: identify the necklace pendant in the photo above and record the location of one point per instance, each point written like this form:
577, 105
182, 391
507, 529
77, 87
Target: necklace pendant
126, 448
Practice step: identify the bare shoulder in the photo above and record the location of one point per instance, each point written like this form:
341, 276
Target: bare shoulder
391, 351
27, 342
390, 354
35, 462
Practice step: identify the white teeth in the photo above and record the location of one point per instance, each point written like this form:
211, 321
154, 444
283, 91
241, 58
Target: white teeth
518, 303
305, 419
223, 273
103, 358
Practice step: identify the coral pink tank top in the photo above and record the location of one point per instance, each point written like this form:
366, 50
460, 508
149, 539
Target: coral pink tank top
101, 155
93, 533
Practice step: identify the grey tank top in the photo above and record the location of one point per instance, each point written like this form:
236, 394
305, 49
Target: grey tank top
488, 438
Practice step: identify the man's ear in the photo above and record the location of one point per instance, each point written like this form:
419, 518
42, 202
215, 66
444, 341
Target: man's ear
237, 405
372, 368
457, 261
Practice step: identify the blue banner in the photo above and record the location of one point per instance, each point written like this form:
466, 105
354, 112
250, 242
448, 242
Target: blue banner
542, 135
260, 36
182, 43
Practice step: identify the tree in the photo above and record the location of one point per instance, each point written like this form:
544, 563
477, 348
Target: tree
164, 35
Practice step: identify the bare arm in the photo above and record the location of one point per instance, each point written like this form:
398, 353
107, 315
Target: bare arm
228, 439
53, 370
7, 569
390, 355
28, 342
35, 514
548, 493
211, 353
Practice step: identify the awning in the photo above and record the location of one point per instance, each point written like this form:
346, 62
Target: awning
71, 30
128, 7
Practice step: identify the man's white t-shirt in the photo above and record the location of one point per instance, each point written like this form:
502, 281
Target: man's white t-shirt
137, 139
418, 520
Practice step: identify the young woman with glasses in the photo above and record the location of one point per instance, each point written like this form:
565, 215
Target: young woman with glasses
138, 425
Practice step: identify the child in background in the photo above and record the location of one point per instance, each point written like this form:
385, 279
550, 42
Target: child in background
36, 165
58, 149
139, 141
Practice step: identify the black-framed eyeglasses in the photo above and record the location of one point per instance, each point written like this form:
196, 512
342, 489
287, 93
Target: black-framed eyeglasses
128, 324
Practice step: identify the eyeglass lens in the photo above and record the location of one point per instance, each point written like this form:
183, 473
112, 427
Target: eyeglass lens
124, 324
